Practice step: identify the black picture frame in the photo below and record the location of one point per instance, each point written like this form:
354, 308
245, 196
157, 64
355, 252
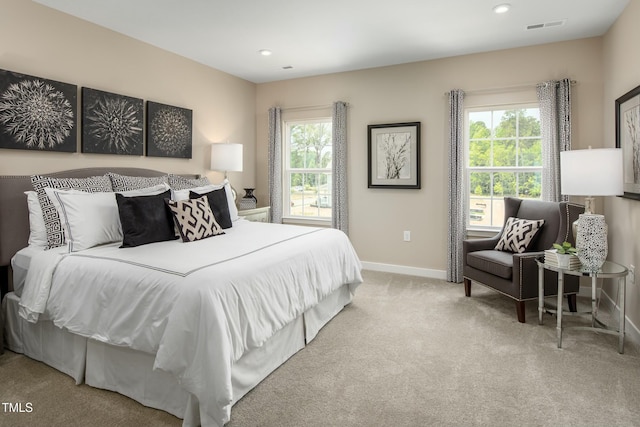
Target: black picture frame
627, 109
169, 131
393, 153
37, 113
111, 123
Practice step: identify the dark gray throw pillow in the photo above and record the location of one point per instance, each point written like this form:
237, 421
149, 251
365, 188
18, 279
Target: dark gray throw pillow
145, 219
219, 206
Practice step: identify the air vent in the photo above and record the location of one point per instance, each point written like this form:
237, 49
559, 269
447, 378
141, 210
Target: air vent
547, 24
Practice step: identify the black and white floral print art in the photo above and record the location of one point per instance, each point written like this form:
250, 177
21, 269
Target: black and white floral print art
169, 131
37, 113
111, 123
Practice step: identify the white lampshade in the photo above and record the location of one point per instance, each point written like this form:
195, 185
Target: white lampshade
592, 172
226, 157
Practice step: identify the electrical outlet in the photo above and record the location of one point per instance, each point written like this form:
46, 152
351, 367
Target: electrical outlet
407, 236
632, 274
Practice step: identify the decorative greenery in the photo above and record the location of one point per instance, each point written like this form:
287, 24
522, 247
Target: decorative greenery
565, 248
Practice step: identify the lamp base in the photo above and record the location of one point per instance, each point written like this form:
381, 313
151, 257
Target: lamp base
234, 193
591, 241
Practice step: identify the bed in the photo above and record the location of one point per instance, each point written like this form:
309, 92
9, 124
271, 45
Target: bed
188, 328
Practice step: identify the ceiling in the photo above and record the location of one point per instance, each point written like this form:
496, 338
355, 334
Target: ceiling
328, 36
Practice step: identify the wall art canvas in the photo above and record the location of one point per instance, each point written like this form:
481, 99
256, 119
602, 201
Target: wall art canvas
37, 114
628, 138
111, 123
169, 131
394, 155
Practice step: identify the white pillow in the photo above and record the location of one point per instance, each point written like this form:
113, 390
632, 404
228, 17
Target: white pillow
148, 191
88, 219
37, 229
178, 195
92, 219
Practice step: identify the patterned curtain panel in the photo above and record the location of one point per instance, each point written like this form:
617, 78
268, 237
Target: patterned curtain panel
275, 164
340, 202
457, 198
555, 117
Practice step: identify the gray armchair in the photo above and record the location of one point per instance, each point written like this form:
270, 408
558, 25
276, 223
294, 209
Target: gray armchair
516, 274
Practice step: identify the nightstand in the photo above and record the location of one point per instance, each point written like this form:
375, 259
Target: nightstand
609, 270
257, 214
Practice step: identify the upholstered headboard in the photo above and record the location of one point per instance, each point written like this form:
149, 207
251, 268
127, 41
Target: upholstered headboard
14, 214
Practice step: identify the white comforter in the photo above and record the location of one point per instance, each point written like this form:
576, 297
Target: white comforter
198, 306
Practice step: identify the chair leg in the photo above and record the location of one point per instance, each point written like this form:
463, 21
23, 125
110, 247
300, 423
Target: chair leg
467, 287
520, 311
573, 302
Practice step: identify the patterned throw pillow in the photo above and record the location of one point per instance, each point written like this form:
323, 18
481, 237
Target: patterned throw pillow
55, 233
128, 183
195, 219
517, 234
177, 182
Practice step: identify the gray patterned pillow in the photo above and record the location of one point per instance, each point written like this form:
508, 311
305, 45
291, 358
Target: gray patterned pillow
177, 182
195, 219
518, 234
128, 183
53, 227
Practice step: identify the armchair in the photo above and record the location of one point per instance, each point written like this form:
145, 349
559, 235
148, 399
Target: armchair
516, 274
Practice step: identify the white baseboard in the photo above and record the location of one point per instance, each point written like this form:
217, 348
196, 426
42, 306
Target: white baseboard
631, 331
403, 269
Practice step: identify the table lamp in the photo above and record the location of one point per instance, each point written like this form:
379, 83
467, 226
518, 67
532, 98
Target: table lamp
227, 157
591, 172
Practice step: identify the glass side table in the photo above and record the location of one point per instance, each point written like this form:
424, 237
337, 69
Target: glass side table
609, 270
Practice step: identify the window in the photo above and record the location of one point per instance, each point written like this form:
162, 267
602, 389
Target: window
504, 158
307, 169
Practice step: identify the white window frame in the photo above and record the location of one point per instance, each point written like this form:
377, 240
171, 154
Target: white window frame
287, 170
489, 169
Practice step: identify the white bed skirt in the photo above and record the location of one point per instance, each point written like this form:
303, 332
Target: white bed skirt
130, 372
43, 341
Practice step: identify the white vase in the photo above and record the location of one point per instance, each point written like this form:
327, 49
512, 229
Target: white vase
591, 241
564, 260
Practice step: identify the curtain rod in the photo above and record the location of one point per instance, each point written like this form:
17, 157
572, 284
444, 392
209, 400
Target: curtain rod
505, 88
307, 107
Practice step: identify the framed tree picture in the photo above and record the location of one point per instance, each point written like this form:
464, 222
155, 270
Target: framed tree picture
628, 139
111, 123
169, 131
37, 114
394, 155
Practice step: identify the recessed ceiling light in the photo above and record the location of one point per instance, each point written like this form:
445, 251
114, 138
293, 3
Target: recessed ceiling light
502, 8
264, 52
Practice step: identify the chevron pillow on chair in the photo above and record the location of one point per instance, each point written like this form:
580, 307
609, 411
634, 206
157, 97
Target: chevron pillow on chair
518, 233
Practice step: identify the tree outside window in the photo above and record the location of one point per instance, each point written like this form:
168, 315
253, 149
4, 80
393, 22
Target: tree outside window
504, 149
308, 169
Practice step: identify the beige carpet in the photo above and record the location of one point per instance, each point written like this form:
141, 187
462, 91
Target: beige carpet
407, 352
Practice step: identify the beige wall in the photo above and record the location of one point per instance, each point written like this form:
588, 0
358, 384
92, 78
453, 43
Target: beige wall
42, 42
621, 69
46, 43
415, 92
